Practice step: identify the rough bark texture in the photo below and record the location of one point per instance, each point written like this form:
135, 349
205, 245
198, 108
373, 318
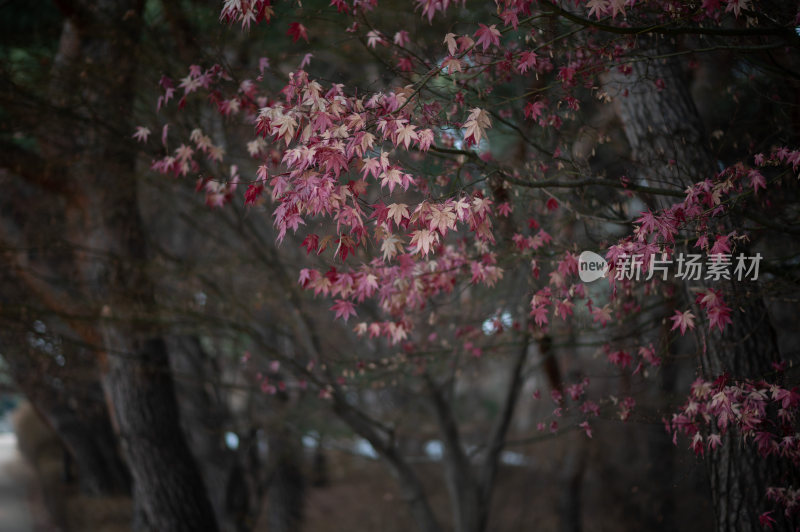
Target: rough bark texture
74, 409
205, 417
84, 134
666, 135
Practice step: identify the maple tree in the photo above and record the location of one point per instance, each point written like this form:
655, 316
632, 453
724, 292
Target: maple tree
472, 170
414, 183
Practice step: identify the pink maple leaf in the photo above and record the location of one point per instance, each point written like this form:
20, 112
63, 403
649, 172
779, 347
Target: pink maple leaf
620, 358
766, 520
311, 243
487, 36
533, 110
401, 38
603, 315
539, 314
756, 180
721, 245
719, 317
141, 133
684, 320
564, 308
504, 209
527, 60
344, 309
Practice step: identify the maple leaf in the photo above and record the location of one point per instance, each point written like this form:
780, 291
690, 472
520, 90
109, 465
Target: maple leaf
391, 177
406, 134
311, 243
766, 520
533, 110
391, 246
252, 194
620, 358
401, 38
372, 166
450, 41
451, 65
647, 224
564, 308
306, 276
374, 38
425, 138
756, 180
684, 320
721, 245
603, 315
442, 219
141, 133
527, 60
284, 126
736, 6
344, 309
539, 314
296, 31
366, 285
423, 240
475, 126
397, 212
617, 6
405, 64
462, 208
597, 8
719, 316
487, 36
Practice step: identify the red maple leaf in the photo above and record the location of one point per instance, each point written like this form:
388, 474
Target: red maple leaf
296, 31
487, 36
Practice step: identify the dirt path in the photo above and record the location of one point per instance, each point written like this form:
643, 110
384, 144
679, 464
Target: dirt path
15, 477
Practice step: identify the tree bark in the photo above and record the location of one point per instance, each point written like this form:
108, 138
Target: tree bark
666, 135
70, 400
287, 486
110, 258
205, 417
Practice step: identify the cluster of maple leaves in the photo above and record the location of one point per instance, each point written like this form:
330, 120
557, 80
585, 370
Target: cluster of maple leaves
325, 151
761, 413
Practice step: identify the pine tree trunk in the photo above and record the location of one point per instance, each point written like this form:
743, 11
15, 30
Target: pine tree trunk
666, 135
97, 61
70, 400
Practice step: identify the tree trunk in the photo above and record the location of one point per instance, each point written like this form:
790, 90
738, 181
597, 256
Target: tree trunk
167, 482
205, 417
110, 258
286, 492
70, 400
666, 135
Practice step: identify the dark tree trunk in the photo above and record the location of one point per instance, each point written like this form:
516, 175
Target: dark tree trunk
205, 418
666, 135
90, 136
167, 482
286, 492
70, 400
